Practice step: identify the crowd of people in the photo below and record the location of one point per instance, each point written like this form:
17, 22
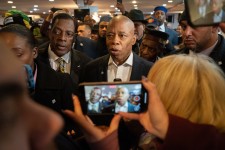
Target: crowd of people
185, 84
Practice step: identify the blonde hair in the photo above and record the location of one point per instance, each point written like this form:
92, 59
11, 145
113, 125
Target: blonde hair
192, 87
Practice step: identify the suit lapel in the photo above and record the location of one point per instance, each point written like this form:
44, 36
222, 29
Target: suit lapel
103, 66
136, 69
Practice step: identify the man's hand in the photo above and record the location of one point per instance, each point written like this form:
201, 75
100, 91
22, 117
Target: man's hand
121, 7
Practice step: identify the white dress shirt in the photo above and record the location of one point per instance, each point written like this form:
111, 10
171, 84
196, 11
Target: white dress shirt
53, 59
218, 17
93, 107
123, 108
122, 71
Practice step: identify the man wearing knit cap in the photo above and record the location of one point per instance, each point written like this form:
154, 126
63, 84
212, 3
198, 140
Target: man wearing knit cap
160, 14
203, 40
153, 44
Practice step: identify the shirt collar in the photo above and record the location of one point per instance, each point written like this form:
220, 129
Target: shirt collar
128, 62
209, 50
54, 57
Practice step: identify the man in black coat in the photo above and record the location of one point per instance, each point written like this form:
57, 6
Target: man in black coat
203, 40
60, 47
121, 62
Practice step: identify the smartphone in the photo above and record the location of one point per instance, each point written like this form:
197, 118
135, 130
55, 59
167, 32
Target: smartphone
102, 98
119, 1
205, 12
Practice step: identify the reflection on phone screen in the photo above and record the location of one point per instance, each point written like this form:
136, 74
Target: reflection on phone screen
205, 12
113, 98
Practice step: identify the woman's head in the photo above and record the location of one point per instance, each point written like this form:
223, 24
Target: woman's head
21, 41
192, 87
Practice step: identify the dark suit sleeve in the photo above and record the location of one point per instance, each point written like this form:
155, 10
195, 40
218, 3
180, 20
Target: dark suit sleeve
183, 134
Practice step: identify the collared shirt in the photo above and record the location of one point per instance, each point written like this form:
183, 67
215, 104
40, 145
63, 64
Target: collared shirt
123, 108
206, 51
209, 50
53, 58
122, 72
93, 107
162, 28
218, 17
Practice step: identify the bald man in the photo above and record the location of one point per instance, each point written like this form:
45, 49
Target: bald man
121, 63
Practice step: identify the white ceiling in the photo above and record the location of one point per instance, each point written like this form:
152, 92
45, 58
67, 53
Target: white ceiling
103, 6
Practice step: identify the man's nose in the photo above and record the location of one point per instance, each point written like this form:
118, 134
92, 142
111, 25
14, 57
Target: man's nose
188, 31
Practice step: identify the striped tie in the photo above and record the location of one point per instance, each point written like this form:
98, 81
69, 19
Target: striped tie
61, 65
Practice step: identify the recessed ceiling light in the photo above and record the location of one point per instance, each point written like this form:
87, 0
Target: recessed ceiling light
112, 6
135, 5
134, 2
35, 9
136, 8
51, 0
10, 2
44, 12
13, 6
170, 1
35, 5
164, 5
31, 11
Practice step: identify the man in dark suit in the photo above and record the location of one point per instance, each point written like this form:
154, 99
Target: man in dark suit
121, 62
204, 40
59, 53
160, 14
121, 102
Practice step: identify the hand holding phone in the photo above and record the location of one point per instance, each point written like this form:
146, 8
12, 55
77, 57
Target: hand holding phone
112, 97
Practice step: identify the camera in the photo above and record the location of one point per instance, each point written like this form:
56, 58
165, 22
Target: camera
102, 98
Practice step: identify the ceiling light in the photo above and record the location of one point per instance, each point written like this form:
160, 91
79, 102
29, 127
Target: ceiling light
135, 5
51, 0
134, 2
10, 2
164, 5
35, 5
31, 11
112, 6
44, 12
35, 9
136, 8
13, 6
170, 1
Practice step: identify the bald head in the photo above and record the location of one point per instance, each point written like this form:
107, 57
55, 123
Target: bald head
121, 19
120, 38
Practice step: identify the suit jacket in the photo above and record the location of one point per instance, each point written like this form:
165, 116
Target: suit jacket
173, 36
96, 70
218, 53
78, 61
54, 90
86, 46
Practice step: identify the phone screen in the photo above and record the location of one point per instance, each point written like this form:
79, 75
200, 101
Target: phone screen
205, 12
114, 97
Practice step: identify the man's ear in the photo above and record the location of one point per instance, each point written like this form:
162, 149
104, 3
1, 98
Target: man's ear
35, 52
134, 39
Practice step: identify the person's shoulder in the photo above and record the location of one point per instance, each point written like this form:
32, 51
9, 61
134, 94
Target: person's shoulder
82, 56
99, 61
142, 60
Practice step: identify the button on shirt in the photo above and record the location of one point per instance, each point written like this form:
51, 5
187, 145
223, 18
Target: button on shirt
122, 72
53, 59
